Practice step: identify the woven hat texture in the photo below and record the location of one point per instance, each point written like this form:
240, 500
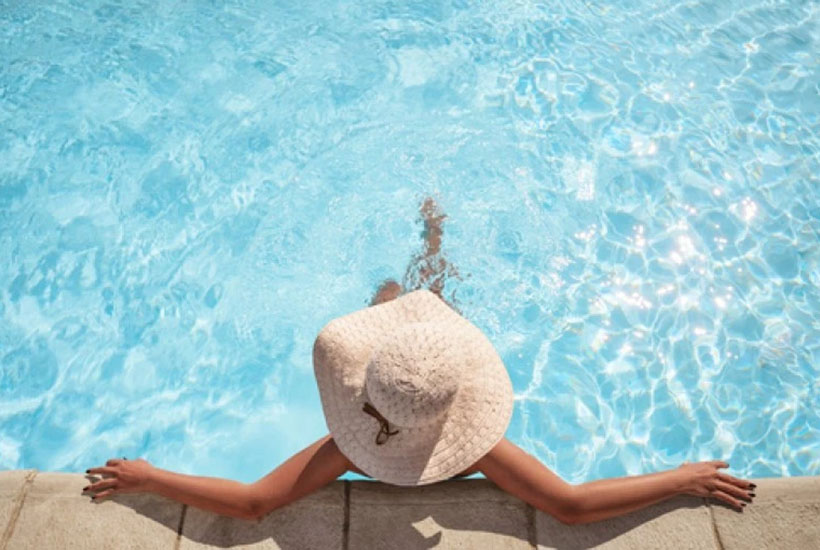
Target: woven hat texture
431, 373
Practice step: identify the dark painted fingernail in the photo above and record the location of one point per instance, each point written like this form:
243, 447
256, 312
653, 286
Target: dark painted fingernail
85, 488
88, 471
743, 504
752, 485
751, 494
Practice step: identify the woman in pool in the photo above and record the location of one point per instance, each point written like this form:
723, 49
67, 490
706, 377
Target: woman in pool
413, 393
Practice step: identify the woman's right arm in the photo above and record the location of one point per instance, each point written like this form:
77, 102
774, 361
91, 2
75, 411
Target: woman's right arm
522, 475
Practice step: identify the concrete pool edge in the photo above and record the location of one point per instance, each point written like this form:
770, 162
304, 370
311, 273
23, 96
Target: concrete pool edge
47, 510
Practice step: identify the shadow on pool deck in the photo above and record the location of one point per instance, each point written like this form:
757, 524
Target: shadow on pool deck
47, 510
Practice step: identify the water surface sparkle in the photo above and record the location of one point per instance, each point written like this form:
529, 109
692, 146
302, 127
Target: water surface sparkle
189, 191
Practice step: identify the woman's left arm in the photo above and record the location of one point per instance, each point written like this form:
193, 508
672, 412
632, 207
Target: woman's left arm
303, 473
222, 496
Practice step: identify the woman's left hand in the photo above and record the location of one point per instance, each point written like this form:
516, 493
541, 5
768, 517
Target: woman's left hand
126, 476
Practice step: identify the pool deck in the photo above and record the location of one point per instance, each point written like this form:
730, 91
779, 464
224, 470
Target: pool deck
41, 510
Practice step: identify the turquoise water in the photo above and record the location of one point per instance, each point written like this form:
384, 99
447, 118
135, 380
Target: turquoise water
190, 190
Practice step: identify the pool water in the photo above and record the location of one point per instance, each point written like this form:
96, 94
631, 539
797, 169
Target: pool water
189, 191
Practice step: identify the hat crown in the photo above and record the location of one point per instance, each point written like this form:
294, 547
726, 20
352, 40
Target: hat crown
414, 375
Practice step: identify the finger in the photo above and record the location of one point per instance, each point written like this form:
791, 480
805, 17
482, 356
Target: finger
720, 463
736, 481
728, 499
730, 489
104, 494
101, 470
104, 484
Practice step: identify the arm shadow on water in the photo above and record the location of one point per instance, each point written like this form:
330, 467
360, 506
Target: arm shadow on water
468, 513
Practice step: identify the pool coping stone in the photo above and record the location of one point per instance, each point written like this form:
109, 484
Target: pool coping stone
48, 510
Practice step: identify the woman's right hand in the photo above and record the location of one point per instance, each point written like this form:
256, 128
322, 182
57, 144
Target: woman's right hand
704, 480
126, 476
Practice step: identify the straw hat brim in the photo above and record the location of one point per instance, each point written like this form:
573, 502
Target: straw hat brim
474, 423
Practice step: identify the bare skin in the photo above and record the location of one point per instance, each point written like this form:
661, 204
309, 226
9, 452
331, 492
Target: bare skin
430, 268
507, 465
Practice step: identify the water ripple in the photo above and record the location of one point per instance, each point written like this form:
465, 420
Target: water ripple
189, 192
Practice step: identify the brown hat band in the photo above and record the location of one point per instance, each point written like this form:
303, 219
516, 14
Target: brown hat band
384, 426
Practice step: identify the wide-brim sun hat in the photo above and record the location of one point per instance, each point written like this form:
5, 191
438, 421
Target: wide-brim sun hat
412, 392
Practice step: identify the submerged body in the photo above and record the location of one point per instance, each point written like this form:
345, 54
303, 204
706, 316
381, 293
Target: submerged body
508, 466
